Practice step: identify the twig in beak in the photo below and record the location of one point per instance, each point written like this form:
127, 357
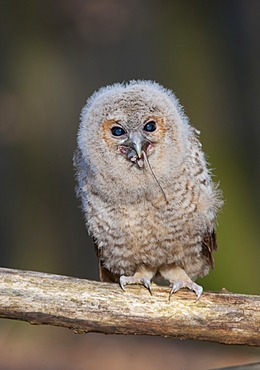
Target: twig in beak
153, 174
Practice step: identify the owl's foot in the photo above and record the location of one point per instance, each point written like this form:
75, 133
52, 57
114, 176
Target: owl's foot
143, 276
126, 280
179, 279
197, 289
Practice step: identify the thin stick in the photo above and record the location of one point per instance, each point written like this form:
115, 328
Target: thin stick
153, 174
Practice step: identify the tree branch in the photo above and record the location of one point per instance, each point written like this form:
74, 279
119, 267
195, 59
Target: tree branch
89, 306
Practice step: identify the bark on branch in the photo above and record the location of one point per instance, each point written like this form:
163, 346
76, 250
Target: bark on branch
89, 306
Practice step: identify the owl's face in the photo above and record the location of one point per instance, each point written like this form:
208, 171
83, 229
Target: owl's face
128, 130
134, 140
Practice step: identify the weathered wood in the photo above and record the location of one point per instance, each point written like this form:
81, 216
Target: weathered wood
89, 306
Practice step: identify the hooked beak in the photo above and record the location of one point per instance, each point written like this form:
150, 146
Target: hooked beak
137, 142
136, 147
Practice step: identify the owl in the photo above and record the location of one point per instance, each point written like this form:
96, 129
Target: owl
146, 192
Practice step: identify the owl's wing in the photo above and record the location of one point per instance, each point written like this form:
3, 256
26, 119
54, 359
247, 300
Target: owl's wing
209, 245
104, 274
82, 170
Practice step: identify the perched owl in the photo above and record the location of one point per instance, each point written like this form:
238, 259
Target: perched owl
147, 195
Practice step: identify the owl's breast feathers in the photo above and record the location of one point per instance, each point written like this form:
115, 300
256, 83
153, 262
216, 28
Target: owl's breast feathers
151, 231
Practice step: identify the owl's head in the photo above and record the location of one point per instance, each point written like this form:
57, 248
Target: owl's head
126, 128
133, 120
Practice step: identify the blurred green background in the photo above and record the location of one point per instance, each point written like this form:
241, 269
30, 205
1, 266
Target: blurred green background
54, 54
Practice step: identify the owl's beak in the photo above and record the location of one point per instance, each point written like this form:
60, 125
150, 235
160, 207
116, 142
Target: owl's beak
135, 147
137, 142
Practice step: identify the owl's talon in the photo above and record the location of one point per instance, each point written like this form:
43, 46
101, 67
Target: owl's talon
147, 284
197, 289
122, 282
175, 287
125, 280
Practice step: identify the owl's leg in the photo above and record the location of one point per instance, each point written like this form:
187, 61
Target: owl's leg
143, 276
179, 279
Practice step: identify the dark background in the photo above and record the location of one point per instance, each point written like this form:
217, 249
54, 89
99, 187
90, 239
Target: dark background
54, 54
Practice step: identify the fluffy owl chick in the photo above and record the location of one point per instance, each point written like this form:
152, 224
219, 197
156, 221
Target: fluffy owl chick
147, 195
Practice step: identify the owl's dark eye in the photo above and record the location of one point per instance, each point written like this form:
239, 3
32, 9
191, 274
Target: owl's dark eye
150, 126
118, 131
